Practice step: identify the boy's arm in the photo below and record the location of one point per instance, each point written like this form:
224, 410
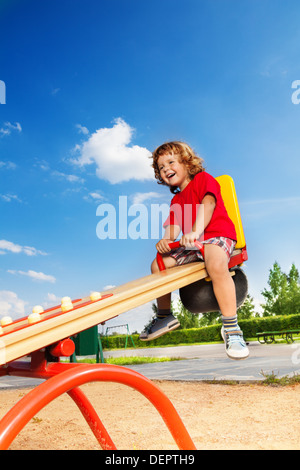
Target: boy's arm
170, 235
204, 215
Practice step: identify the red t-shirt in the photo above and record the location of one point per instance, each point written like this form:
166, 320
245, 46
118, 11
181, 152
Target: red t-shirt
185, 205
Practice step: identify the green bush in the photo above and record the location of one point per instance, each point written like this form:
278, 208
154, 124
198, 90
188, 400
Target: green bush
273, 323
207, 334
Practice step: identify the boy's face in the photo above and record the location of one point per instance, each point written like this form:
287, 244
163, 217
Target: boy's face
172, 171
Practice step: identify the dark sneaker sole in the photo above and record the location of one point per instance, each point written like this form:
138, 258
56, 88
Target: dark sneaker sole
161, 332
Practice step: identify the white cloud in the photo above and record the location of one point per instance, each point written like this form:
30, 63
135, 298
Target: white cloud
10, 197
94, 196
34, 275
4, 131
82, 129
14, 248
31, 251
16, 126
8, 165
115, 159
51, 301
109, 287
9, 127
140, 198
44, 165
11, 305
10, 246
53, 298
70, 178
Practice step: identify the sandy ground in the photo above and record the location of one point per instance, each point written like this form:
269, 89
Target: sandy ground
216, 416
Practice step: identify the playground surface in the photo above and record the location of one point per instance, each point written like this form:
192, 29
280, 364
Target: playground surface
217, 416
210, 362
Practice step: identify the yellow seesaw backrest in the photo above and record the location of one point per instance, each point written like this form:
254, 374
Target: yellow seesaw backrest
230, 200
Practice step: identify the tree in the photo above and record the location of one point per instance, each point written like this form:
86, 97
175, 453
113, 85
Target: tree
246, 310
184, 316
283, 296
210, 318
294, 290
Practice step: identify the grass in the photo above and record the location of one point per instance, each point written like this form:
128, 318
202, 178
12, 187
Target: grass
131, 360
272, 379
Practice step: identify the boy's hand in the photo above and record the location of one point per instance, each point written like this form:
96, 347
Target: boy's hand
163, 246
188, 240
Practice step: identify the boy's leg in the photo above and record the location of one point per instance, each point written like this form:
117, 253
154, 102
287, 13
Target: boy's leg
164, 321
216, 262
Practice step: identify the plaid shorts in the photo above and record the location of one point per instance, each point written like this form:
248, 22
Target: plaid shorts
183, 256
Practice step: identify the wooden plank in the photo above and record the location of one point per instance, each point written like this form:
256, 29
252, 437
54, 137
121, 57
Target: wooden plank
18, 341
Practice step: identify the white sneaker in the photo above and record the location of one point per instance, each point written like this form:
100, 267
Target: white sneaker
235, 345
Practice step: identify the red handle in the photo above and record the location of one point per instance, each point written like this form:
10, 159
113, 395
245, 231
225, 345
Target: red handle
159, 257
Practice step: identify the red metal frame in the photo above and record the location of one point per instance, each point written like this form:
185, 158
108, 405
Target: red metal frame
66, 378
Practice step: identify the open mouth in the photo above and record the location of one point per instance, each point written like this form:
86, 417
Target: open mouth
171, 175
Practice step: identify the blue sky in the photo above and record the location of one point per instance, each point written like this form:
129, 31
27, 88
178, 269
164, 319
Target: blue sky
92, 87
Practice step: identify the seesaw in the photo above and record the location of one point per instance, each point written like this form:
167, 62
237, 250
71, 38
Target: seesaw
49, 339
43, 339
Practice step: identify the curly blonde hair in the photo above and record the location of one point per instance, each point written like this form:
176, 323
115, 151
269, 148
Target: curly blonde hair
186, 155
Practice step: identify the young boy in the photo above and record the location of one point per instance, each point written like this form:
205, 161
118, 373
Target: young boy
198, 211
